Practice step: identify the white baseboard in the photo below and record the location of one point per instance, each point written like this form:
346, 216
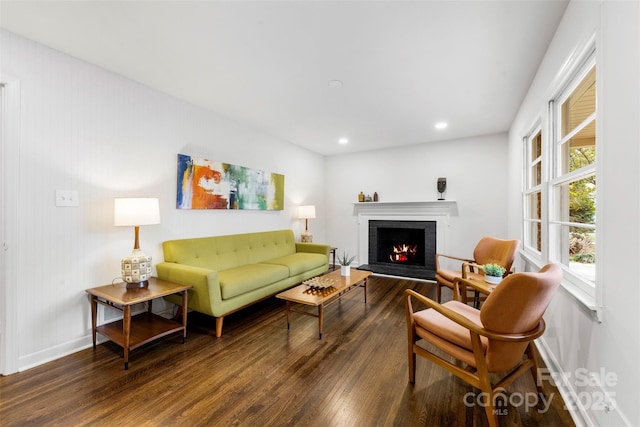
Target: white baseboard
591, 407
104, 316
52, 353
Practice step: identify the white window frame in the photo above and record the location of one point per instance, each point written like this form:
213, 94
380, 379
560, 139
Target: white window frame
557, 179
574, 71
529, 189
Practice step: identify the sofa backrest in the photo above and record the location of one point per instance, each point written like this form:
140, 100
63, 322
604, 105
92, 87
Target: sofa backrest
224, 252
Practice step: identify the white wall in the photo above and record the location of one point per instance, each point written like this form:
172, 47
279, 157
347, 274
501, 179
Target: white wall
476, 174
576, 343
86, 129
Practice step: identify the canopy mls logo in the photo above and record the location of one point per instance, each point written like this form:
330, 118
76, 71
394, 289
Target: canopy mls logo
594, 396
502, 400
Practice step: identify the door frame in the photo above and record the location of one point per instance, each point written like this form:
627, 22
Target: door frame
9, 223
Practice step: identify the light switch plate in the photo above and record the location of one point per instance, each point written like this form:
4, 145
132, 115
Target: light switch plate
66, 198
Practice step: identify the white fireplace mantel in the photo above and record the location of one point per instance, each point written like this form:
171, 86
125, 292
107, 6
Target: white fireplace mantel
428, 207
434, 210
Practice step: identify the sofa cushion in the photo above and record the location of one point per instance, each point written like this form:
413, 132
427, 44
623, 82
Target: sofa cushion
299, 262
230, 251
237, 281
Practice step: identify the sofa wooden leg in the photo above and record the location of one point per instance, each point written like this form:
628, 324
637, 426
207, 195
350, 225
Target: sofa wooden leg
219, 326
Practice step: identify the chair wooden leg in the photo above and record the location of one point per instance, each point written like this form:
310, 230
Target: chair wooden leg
412, 364
490, 410
484, 381
535, 370
411, 339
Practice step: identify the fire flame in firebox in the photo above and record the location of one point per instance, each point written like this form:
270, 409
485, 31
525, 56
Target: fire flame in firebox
403, 253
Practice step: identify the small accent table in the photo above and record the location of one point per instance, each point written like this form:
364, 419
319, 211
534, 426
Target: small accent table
304, 294
134, 331
477, 286
333, 252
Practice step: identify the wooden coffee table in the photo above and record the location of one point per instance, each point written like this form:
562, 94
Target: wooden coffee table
338, 286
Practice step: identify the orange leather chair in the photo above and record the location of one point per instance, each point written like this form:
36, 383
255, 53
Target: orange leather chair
492, 340
488, 250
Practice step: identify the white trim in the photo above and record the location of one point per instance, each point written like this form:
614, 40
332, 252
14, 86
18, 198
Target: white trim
574, 401
585, 298
10, 162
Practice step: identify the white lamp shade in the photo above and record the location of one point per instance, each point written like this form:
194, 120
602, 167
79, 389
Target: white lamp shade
136, 211
308, 211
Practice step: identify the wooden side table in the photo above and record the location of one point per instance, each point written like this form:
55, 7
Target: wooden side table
477, 286
333, 252
134, 331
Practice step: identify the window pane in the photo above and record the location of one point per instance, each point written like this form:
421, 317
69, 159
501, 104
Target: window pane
534, 236
580, 150
533, 206
582, 253
582, 200
533, 229
535, 160
580, 104
536, 146
536, 174
576, 201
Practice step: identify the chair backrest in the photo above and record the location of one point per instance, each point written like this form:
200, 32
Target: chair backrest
496, 251
516, 306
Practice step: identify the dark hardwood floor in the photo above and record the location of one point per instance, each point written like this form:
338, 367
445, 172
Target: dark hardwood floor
260, 373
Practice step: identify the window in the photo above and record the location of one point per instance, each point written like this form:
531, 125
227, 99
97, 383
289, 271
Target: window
559, 191
572, 204
533, 192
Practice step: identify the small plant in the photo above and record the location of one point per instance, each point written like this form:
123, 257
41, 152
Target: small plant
494, 270
345, 259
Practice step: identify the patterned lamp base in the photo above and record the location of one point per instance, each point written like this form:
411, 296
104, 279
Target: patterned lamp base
136, 270
306, 237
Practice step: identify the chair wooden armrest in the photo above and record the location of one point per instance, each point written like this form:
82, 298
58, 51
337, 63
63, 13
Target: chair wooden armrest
450, 257
469, 267
468, 324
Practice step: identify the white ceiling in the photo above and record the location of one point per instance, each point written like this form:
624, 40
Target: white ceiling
405, 65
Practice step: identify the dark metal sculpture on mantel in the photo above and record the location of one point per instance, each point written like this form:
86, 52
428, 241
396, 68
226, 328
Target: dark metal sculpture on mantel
442, 187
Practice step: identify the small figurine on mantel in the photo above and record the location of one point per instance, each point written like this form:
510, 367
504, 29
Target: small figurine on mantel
375, 196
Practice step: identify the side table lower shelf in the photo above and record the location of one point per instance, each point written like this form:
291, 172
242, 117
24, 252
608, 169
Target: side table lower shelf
145, 327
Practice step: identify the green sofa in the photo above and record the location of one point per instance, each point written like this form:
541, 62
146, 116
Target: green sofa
231, 272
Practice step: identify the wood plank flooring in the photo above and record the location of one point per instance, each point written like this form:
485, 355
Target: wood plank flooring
260, 373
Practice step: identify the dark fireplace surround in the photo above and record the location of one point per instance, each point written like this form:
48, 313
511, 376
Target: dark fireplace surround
402, 248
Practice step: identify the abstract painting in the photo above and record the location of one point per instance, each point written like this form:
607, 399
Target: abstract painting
206, 184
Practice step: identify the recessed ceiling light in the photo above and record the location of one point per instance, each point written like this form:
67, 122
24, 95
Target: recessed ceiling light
335, 83
343, 140
441, 125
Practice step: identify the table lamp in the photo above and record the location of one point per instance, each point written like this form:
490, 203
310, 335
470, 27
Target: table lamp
134, 212
306, 212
